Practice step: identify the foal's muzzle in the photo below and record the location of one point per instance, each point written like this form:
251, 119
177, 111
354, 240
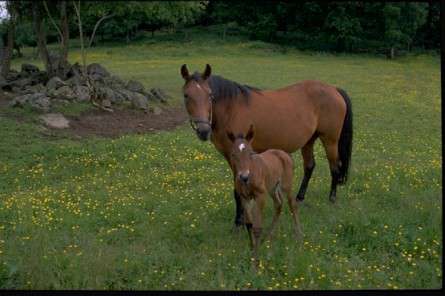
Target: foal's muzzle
244, 177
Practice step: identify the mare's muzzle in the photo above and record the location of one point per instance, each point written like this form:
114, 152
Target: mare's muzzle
202, 128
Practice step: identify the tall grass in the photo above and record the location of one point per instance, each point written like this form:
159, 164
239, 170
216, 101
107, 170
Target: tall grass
154, 211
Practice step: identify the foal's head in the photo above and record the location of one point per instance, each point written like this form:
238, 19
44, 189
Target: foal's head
198, 101
240, 154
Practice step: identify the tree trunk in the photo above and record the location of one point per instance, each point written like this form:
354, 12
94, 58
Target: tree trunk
391, 56
41, 37
7, 52
65, 30
17, 48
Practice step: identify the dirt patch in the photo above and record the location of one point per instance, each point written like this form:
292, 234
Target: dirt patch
5, 99
124, 121
96, 122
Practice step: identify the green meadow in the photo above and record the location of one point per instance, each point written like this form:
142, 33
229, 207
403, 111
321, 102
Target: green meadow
155, 211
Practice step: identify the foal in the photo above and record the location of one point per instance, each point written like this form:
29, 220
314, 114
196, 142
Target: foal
257, 175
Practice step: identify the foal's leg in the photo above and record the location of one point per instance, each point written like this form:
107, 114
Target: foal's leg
293, 206
331, 147
257, 213
278, 205
249, 216
309, 164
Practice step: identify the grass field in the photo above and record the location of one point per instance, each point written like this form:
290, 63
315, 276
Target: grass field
155, 211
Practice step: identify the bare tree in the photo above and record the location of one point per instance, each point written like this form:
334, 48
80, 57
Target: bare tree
79, 22
93, 34
97, 25
63, 30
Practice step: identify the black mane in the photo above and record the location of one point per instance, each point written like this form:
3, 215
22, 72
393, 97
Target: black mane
224, 89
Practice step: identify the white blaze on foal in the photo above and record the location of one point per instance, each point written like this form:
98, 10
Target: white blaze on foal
241, 147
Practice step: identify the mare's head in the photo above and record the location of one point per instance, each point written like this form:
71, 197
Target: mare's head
198, 101
240, 154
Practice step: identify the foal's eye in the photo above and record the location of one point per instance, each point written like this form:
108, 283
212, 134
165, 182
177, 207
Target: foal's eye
186, 96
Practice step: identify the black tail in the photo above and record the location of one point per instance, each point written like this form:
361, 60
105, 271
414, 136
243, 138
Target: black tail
345, 143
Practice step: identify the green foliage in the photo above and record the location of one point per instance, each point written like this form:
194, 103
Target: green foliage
393, 33
402, 21
344, 27
263, 28
131, 16
25, 35
335, 26
348, 26
428, 35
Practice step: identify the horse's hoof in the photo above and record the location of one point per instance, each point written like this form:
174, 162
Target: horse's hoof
332, 199
255, 265
236, 228
299, 197
298, 237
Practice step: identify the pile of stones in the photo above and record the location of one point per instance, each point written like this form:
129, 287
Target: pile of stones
32, 87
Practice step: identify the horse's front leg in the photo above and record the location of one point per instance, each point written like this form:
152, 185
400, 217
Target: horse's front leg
239, 214
309, 164
239, 210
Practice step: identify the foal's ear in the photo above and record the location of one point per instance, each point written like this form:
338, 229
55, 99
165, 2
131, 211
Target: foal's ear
250, 133
207, 72
231, 136
185, 72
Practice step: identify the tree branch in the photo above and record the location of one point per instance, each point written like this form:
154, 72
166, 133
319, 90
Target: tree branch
97, 25
79, 21
53, 22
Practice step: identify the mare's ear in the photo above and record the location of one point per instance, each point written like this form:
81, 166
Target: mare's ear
250, 134
231, 136
185, 72
207, 72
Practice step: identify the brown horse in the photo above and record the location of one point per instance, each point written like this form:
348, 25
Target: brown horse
289, 118
259, 175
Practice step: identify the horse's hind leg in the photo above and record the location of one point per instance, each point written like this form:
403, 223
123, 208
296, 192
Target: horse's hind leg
309, 164
331, 147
